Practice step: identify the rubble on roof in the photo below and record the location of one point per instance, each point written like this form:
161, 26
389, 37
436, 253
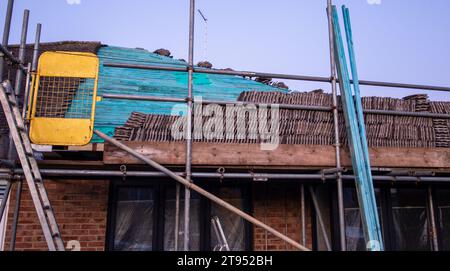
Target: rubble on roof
269, 81
163, 52
205, 64
280, 85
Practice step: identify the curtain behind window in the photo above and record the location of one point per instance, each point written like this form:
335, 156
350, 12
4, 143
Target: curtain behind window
134, 219
410, 224
232, 225
353, 224
169, 221
443, 205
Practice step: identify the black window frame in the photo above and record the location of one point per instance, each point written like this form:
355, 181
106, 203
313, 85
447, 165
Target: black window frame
160, 186
387, 216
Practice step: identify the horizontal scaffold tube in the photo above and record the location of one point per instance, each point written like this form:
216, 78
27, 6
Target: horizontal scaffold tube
6, 175
191, 186
280, 106
275, 75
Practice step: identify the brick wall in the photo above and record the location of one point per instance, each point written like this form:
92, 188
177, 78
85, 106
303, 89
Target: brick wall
80, 209
279, 206
81, 212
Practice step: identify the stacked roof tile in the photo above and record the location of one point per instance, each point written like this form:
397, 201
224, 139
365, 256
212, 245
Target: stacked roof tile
311, 127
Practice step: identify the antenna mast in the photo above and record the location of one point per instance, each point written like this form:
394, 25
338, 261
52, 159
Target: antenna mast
205, 46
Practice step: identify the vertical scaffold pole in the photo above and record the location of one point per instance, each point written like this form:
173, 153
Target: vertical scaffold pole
37, 45
4, 201
303, 213
5, 42
433, 226
12, 245
177, 216
6, 31
340, 192
187, 195
22, 50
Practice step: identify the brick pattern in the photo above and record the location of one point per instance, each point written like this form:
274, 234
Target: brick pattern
80, 210
279, 206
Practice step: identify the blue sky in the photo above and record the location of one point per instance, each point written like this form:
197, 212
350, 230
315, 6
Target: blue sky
397, 40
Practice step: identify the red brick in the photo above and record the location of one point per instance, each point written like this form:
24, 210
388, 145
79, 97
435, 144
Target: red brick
80, 213
279, 207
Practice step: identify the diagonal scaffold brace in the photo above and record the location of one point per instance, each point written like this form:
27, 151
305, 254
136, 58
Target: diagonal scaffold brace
192, 186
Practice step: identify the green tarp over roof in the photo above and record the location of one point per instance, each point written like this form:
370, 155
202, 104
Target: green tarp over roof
112, 113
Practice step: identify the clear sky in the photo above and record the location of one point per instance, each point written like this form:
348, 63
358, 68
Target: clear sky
396, 40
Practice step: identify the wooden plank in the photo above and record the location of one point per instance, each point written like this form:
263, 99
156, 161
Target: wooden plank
285, 156
95, 147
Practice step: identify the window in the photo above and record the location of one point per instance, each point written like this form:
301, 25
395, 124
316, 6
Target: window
232, 225
443, 215
404, 217
353, 230
409, 219
142, 218
169, 221
134, 221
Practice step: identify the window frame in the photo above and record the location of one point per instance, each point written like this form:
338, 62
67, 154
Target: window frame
387, 215
160, 186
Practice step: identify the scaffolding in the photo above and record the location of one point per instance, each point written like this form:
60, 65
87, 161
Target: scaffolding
185, 178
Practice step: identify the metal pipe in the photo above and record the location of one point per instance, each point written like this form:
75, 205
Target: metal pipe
277, 76
142, 98
280, 106
320, 218
22, 50
192, 186
6, 31
266, 200
5, 42
303, 213
15, 222
434, 231
402, 85
5, 200
252, 176
177, 215
394, 179
340, 190
27, 92
406, 114
220, 72
37, 44
187, 192
145, 67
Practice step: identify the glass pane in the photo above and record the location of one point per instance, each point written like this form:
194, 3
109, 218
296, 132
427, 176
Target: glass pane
353, 224
169, 221
443, 215
410, 225
232, 225
134, 219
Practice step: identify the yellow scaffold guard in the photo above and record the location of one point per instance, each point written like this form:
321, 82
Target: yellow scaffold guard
63, 99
